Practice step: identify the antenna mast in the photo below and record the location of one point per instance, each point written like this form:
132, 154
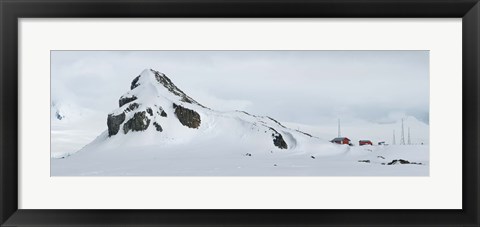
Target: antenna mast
409, 136
339, 127
402, 139
393, 142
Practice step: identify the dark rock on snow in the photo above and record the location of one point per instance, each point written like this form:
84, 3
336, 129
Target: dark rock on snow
304, 133
401, 161
278, 123
124, 100
58, 115
168, 84
135, 83
157, 126
162, 112
114, 122
132, 107
187, 117
149, 111
139, 122
278, 140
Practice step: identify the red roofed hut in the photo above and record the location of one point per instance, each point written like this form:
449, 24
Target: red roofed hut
365, 142
341, 140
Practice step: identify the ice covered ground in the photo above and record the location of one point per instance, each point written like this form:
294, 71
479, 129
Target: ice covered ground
201, 158
209, 157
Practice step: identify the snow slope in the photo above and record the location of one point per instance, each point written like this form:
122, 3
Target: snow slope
159, 130
71, 127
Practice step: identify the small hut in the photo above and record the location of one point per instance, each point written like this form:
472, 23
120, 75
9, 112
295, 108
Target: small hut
365, 142
341, 140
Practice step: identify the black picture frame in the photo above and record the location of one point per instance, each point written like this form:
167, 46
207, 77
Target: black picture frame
12, 10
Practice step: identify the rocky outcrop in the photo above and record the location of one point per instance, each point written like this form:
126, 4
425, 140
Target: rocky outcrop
132, 107
168, 84
278, 123
114, 122
149, 111
401, 161
124, 100
278, 140
161, 112
134, 83
58, 115
187, 117
139, 122
304, 133
158, 127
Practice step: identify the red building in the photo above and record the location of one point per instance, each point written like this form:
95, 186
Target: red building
341, 140
365, 142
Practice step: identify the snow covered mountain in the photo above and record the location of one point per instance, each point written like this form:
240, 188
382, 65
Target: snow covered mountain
62, 111
156, 107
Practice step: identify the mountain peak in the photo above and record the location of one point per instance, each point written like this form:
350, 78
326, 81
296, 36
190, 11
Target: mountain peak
150, 77
152, 98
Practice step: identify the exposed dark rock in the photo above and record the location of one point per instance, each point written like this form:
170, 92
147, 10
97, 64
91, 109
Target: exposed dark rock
381, 157
187, 117
135, 83
139, 122
186, 99
278, 140
313, 157
163, 114
124, 100
401, 161
304, 133
58, 115
278, 123
398, 161
168, 84
149, 111
157, 126
248, 154
366, 161
246, 113
114, 122
132, 107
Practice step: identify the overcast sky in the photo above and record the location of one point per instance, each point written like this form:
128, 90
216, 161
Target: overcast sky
308, 87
